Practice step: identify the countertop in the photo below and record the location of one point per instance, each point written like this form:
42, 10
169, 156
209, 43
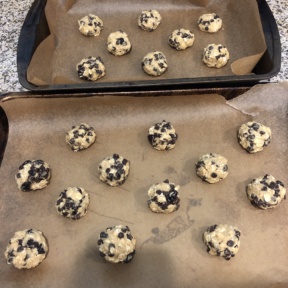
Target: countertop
13, 13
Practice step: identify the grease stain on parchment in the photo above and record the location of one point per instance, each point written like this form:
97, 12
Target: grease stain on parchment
175, 228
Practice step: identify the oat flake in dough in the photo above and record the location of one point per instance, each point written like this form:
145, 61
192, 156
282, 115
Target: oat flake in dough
117, 245
80, 137
114, 170
90, 25
212, 167
266, 192
149, 20
181, 39
73, 203
33, 175
26, 249
254, 137
210, 23
163, 197
118, 43
222, 240
91, 68
215, 55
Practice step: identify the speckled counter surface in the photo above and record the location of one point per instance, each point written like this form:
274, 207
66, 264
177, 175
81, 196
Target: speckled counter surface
13, 13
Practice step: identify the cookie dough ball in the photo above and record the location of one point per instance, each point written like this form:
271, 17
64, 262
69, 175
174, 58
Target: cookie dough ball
91, 68
149, 20
118, 43
73, 203
163, 197
90, 25
114, 170
180, 39
80, 137
266, 192
162, 136
26, 249
222, 240
215, 55
212, 167
210, 23
117, 245
154, 63
254, 137
33, 175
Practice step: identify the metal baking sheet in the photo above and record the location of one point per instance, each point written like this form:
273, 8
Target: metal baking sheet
35, 29
170, 251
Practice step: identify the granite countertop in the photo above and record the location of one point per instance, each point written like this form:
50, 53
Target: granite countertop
13, 13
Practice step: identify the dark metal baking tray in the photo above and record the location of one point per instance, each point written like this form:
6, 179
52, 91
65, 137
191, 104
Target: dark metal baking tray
35, 29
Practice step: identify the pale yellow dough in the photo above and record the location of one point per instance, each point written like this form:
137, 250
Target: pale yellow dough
266, 192
90, 25
149, 20
117, 245
26, 249
210, 23
154, 63
254, 136
163, 197
181, 39
118, 43
215, 55
222, 240
212, 167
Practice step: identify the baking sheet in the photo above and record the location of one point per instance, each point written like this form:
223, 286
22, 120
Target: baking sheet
56, 57
170, 251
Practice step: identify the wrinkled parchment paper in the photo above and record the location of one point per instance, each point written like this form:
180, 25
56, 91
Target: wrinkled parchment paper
169, 251
56, 57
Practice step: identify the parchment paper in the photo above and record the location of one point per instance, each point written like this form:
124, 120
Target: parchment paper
170, 251
56, 57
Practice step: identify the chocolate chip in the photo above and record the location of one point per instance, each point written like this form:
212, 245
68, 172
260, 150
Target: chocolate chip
26, 186
212, 228
129, 257
20, 249
230, 243
129, 236
121, 235
103, 235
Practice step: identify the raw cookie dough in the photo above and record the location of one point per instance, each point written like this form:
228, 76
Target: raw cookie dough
266, 192
91, 68
116, 244
33, 175
26, 249
73, 203
180, 39
254, 137
90, 25
222, 240
163, 197
118, 43
210, 23
215, 55
114, 170
212, 167
154, 63
149, 20
162, 136
80, 137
